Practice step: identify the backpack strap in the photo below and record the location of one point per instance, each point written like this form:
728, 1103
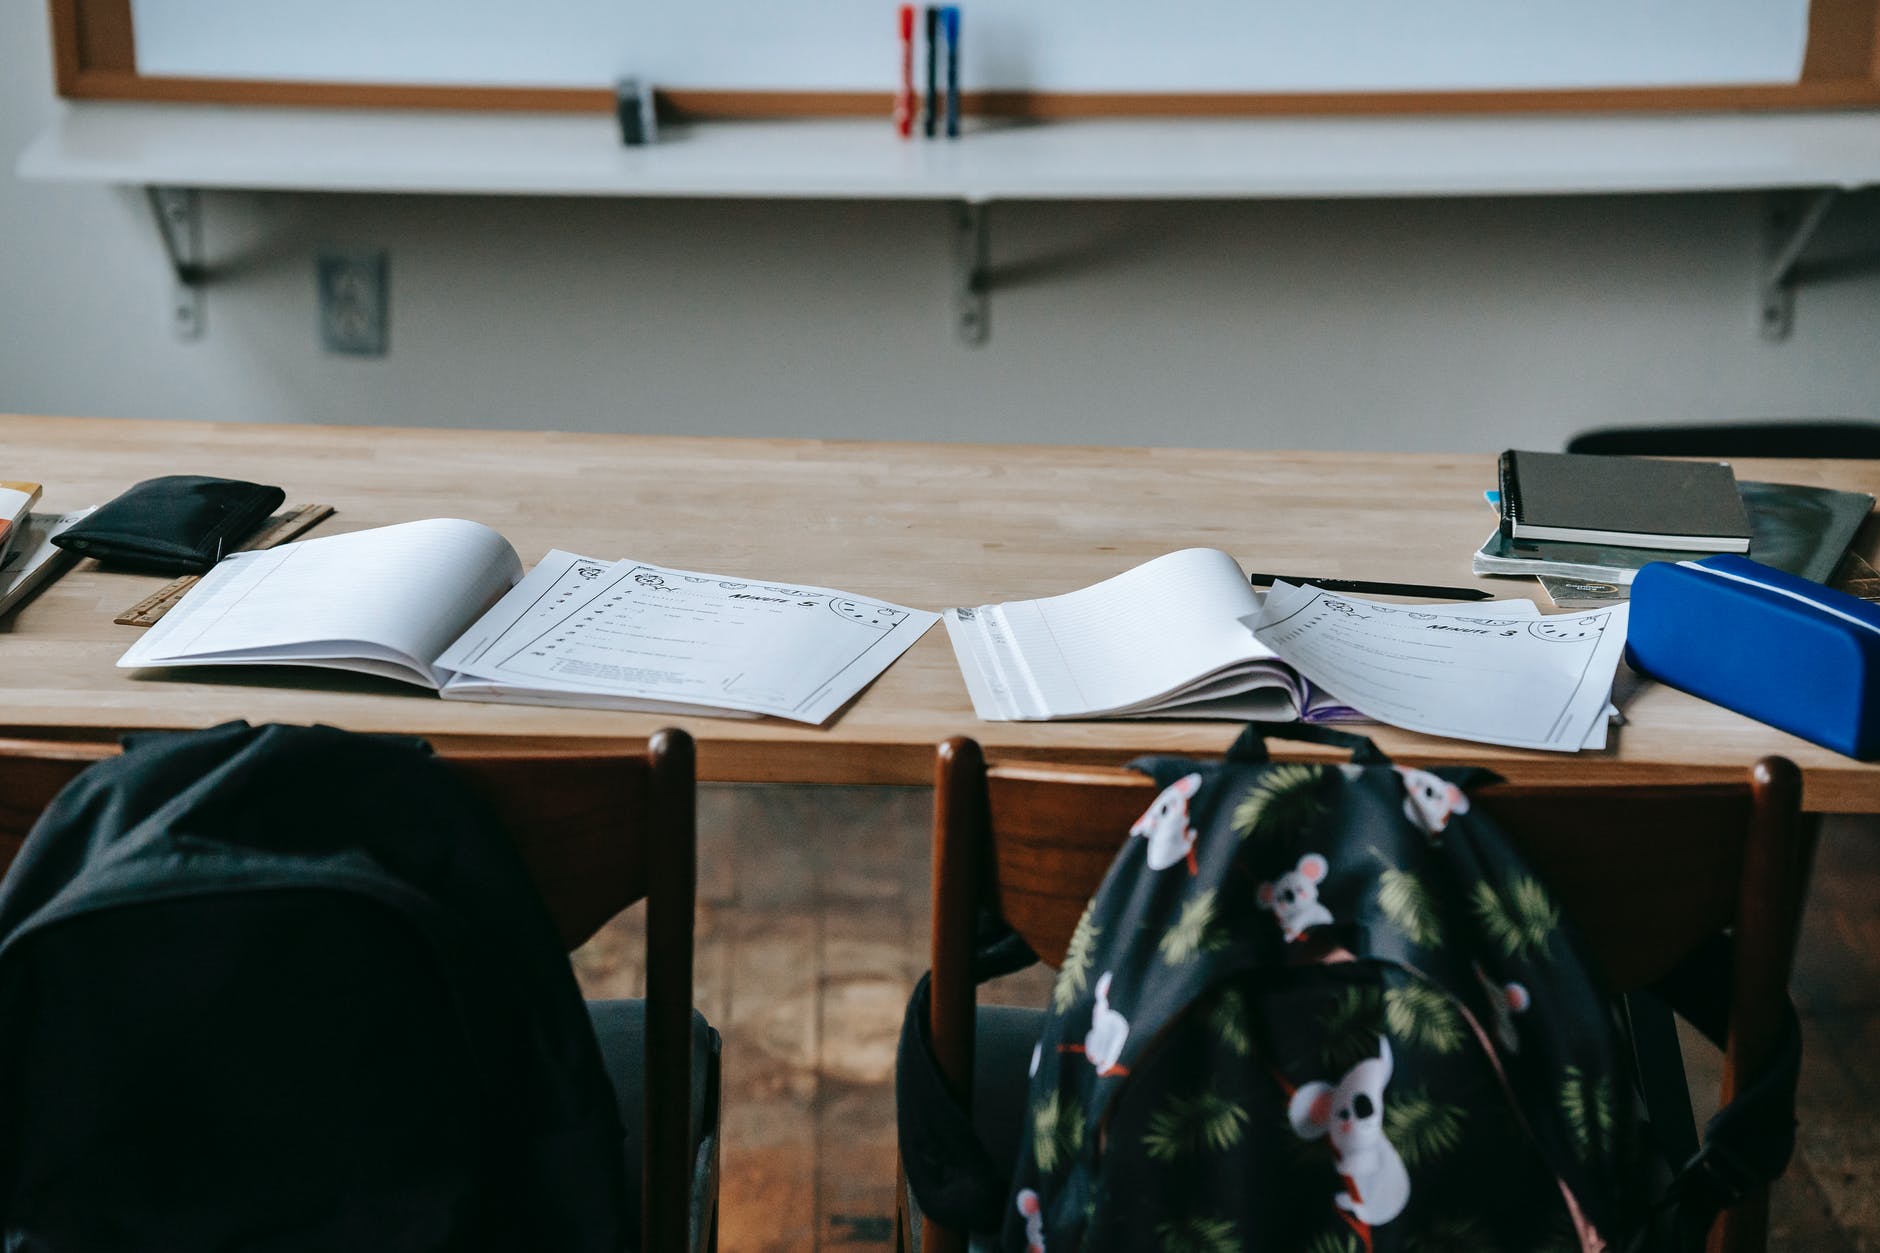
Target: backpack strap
948, 1169
1748, 1143
1250, 748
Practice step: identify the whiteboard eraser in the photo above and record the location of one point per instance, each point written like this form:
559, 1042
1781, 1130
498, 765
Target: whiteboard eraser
633, 103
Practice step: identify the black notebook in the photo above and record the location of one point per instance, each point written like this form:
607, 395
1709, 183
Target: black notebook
1632, 502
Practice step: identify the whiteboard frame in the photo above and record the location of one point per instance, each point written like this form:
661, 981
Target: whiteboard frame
95, 58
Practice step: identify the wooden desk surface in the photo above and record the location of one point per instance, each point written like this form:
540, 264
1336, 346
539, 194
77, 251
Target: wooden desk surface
923, 524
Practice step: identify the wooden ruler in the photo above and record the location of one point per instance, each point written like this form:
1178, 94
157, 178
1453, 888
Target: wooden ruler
280, 528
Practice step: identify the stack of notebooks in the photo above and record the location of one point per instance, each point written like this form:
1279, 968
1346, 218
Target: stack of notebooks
1586, 524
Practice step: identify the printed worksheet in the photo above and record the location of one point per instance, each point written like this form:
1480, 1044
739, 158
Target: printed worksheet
628, 631
1543, 683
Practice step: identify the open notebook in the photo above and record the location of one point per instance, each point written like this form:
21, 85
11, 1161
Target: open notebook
1185, 636
444, 603
1168, 639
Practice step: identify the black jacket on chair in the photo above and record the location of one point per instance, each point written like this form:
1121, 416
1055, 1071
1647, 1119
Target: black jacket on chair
285, 988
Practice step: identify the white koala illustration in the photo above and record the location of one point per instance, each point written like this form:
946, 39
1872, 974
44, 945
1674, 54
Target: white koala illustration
1377, 1186
1165, 825
1103, 1043
1429, 801
1033, 1209
1505, 1000
1293, 898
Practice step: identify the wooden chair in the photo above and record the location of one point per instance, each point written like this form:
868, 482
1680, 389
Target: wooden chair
1836, 438
599, 832
1034, 841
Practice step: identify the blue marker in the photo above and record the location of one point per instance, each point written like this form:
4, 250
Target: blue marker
950, 17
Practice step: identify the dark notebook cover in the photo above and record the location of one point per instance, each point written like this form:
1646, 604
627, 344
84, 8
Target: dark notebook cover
1629, 501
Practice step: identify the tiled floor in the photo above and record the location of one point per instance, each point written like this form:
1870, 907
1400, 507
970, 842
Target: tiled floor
813, 927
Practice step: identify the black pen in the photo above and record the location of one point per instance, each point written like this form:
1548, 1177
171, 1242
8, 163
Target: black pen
1381, 589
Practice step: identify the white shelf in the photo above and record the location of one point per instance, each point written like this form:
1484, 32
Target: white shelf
207, 146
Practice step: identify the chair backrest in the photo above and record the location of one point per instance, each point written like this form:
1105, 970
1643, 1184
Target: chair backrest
1646, 872
1831, 438
599, 831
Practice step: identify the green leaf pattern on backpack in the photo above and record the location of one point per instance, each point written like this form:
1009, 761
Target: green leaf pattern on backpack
1334, 1242
1228, 1019
1421, 1128
1348, 1033
1586, 1106
1057, 1131
1418, 1013
1520, 923
1198, 1235
1406, 902
1286, 798
1193, 932
1185, 1126
1450, 1235
1074, 975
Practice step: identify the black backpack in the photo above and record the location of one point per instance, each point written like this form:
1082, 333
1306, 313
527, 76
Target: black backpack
1329, 1009
286, 988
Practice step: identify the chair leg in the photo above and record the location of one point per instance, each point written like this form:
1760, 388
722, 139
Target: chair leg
1744, 1227
1776, 863
900, 1206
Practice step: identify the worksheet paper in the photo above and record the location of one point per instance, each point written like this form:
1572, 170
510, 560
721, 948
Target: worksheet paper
577, 626
1544, 683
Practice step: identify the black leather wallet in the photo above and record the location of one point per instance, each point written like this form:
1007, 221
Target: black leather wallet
177, 524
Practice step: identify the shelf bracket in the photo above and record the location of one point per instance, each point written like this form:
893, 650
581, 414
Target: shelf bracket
178, 213
1788, 224
972, 305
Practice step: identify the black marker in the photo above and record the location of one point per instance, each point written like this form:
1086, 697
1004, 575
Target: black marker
933, 71
1380, 589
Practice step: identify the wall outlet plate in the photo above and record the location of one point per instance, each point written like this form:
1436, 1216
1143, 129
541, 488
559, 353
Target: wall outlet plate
353, 302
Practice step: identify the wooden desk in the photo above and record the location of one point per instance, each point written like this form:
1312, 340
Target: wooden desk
922, 524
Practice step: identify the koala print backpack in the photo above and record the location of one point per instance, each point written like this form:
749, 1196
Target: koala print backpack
1328, 1009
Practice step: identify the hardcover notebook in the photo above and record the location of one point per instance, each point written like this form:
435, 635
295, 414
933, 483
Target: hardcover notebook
1631, 502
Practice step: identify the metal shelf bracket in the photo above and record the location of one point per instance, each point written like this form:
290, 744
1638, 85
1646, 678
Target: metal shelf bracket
1788, 224
972, 304
178, 213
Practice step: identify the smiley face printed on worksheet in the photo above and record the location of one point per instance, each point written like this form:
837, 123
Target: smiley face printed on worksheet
1566, 630
877, 616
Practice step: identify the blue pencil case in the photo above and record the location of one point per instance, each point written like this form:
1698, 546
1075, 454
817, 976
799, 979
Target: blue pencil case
1780, 649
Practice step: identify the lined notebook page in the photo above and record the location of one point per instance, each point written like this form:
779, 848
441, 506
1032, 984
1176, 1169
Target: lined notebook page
396, 592
1131, 638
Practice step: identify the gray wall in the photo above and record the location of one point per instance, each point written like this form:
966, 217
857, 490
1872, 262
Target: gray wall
1463, 325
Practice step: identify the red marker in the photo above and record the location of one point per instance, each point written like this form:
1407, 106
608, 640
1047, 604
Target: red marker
904, 97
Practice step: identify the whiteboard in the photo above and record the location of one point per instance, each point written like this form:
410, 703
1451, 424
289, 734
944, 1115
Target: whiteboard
1034, 45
